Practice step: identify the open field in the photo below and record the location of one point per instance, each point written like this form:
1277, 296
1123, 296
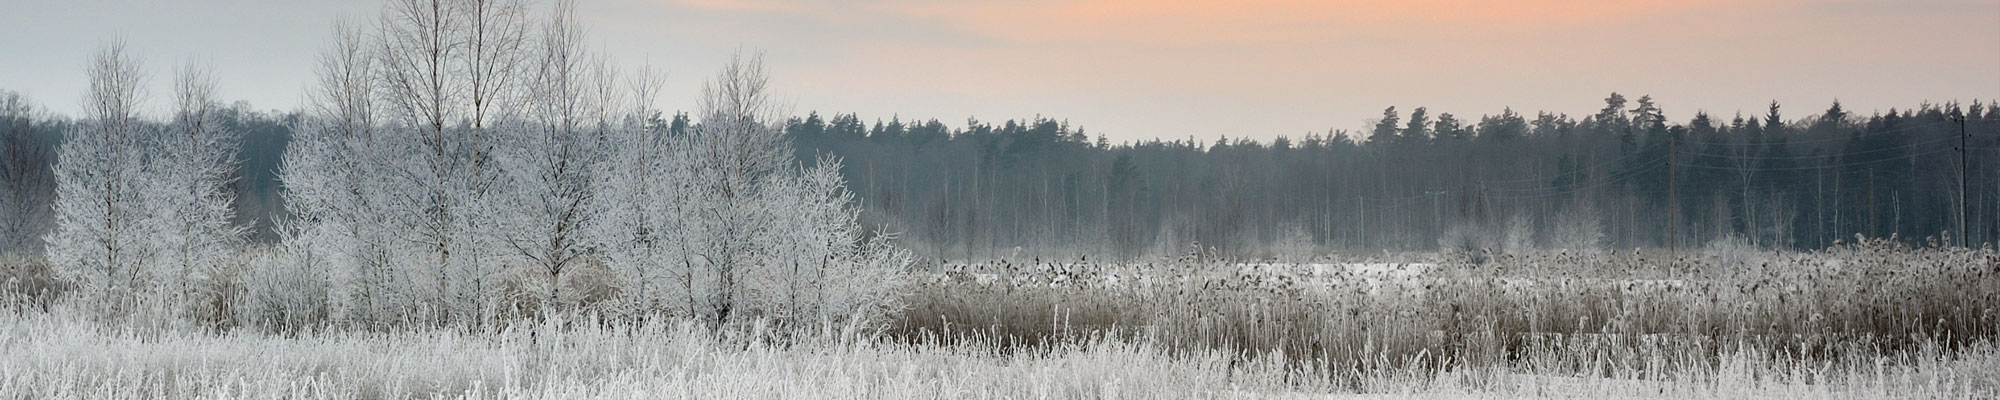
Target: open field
51, 357
1862, 321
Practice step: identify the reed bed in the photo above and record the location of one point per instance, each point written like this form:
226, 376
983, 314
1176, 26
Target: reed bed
1647, 312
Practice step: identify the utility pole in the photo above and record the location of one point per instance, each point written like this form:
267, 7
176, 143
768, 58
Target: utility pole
1437, 221
1673, 197
1364, 220
1963, 239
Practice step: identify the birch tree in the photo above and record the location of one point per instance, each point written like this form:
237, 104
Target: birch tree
548, 202
733, 154
443, 71
190, 194
103, 235
817, 264
640, 197
335, 184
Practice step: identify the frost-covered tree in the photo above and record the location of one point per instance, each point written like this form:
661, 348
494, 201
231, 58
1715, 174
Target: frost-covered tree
435, 61
548, 202
733, 155
757, 235
422, 172
335, 184
640, 200
104, 235
191, 197
816, 263
1518, 236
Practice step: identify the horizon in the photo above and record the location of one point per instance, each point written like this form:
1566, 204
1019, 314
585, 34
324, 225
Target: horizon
1168, 70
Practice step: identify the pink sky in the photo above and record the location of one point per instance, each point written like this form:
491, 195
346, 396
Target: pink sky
1166, 68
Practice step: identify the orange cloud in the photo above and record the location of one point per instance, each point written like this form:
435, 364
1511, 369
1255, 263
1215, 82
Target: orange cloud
1198, 22
749, 5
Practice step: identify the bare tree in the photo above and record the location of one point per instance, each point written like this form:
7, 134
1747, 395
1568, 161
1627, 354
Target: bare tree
334, 184
548, 202
415, 52
102, 238
639, 234
815, 264
345, 93
191, 196
495, 32
27, 186
734, 152
445, 68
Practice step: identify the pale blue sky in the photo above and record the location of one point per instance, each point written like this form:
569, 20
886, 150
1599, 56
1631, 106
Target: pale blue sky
1136, 69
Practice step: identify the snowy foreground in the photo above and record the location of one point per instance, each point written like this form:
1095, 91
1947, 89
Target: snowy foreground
1882, 322
42, 356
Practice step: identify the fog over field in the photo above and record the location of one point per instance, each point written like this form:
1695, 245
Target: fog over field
489, 199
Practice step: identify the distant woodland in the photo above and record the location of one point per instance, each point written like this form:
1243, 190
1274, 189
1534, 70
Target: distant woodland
1627, 176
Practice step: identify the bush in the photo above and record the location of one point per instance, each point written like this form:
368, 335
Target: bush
285, 290
26, 283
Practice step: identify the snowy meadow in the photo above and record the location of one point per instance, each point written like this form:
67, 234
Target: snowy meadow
478, 205
1519, 326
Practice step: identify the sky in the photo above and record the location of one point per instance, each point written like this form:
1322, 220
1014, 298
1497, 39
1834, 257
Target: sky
1135, 69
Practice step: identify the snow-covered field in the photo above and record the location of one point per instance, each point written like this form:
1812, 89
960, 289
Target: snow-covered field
1851, 323
49, 357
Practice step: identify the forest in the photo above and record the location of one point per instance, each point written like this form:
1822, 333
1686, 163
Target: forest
1432, 181
1412, 182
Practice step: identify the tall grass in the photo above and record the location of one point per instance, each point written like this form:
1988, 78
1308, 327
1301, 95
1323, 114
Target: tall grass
1868, 320
1654, 313
53, 356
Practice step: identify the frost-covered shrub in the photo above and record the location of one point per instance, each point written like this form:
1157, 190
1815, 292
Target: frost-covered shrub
1294, 244
26, 283
1578, 228
1519, 235
1466, 238
1732, 253
285, 289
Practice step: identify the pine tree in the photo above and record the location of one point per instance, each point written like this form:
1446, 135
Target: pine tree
1385, 130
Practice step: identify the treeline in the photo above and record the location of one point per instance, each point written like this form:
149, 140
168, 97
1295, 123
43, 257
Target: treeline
1627, 176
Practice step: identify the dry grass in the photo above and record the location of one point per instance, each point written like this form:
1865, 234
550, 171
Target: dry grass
26, 283
49, 356
1872, 320
1647, 313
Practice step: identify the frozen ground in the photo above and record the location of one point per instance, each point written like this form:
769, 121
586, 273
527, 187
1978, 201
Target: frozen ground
50, 357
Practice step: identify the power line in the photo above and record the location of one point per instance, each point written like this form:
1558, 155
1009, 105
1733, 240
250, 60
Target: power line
1900, 147
1831, 165
1787, 141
